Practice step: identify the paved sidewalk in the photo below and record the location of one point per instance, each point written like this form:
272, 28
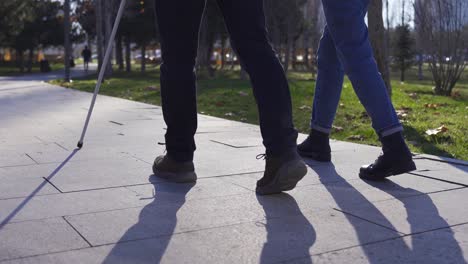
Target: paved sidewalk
101, 204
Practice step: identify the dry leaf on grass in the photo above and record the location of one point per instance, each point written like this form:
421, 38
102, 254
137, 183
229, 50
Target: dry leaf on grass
437, 131
242, 93
413, 95
356, 137
402, 113
305, 107
337, 128
152, 88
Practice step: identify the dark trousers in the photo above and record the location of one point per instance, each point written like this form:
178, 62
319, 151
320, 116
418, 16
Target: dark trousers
179, 22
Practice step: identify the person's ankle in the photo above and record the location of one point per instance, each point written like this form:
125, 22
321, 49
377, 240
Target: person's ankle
394, 145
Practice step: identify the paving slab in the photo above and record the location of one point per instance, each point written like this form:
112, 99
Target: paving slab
448, 245
161, 218
38, 237
12, 187
99, 174
416, 214
56, 205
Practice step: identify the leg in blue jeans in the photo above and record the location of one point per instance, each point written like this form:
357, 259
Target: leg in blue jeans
328, 86
345, 48
347, 32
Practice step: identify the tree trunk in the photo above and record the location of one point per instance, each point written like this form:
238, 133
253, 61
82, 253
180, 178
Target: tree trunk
306, 51
420, 67
243, 74
99, 31
294, 55
377, 38
143, 58
20, 60
66, 26
118, 53
287, 55
30, 60
223, 52
128, 55
108, 7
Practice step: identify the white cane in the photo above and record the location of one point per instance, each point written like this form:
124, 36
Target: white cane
103, 70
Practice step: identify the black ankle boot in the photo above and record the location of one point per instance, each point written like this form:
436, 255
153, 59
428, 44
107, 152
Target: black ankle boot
316, 146
396, 159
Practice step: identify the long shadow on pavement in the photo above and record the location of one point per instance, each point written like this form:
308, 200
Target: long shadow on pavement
46, 181
288, 236
348, 199
157, 219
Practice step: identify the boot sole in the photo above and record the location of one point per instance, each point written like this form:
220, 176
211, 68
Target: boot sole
407, 167
285, 179
322, 157
184, 177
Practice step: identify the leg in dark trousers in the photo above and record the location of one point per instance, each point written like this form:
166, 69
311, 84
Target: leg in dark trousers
179, 23
245, 21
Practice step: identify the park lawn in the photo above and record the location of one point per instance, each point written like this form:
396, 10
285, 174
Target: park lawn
229, 97
11, 70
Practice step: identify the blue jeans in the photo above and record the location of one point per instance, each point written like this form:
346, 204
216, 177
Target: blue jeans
345, 49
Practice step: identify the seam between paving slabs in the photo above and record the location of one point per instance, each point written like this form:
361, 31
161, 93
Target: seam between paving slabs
76, 230
53, 185
451, 161
29, 156
437, 179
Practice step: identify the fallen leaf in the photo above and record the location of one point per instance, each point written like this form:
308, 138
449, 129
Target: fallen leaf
437, 131
342, 105
436, 113
337, 128
242, 93
364, 115
349, 117
432, 106
356, 137
152, 88
402, 113
413, 95
305, 107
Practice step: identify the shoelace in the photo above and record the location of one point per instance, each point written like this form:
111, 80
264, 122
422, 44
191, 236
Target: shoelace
163, 144
261, 156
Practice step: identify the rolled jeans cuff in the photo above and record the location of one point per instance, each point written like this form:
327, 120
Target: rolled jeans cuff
320, 128
391, 130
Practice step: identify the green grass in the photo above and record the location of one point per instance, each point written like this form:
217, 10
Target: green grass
11, 70
224, 96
